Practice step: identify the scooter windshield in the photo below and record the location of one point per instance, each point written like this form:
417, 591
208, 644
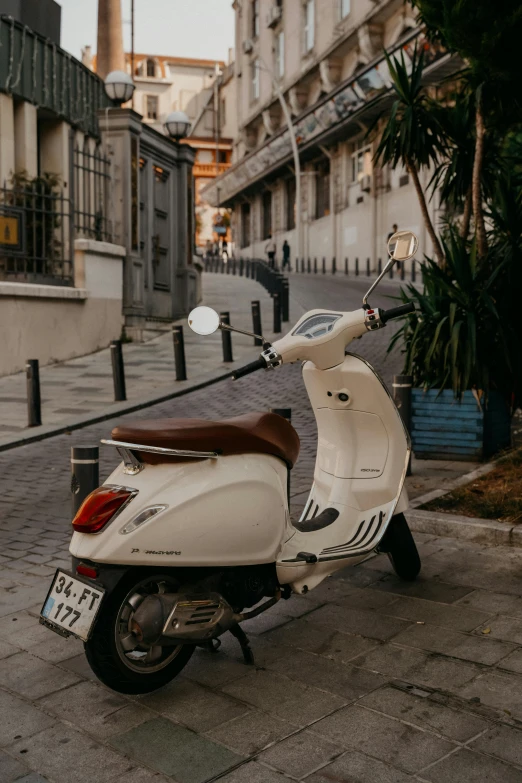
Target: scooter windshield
317, 325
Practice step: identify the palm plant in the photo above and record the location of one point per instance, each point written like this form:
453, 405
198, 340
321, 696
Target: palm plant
456, 339
411, 135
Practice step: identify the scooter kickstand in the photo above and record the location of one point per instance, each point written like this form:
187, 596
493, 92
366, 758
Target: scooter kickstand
212, 645
243, 640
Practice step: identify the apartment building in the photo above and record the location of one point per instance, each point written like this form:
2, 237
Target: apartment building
205, 91
327, 59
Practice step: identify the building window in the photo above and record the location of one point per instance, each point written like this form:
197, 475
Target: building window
345, 8
151, 68
152, 107
290, 203
361, 162
245, 225
254, 80
255, 18
309, 25
222, 156
280, 55
267, 214
322, 189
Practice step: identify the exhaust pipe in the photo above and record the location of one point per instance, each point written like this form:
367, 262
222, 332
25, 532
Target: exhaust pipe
175, 618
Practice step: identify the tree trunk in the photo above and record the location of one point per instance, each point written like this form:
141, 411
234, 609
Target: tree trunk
466, 216
437, 248
478, 211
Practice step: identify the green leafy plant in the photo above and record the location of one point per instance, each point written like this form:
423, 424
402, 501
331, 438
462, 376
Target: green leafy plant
411, 136
455, 339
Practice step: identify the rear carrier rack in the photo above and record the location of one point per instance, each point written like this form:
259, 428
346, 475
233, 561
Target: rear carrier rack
132, 463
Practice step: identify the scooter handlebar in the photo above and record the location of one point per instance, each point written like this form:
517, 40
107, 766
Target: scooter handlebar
396, 312
259, 364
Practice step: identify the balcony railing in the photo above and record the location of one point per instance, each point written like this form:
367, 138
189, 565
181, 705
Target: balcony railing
333, 111
35, 69
209, 169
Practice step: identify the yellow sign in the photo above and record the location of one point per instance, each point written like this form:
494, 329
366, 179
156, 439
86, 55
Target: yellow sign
9, 233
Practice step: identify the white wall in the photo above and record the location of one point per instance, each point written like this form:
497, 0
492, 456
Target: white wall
54, 323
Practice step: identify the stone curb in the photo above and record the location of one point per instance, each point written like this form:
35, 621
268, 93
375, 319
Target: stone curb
479, 531
50, 430
433, 494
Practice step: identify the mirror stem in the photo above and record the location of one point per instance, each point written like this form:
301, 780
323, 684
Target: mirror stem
376, 282
229, 328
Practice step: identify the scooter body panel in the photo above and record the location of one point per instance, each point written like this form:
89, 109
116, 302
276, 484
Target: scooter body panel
362, 456
219, 512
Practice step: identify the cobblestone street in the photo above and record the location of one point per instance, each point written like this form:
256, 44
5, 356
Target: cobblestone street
366, 680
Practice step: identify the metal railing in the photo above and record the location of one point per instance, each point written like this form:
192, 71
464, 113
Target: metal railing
36, 244
92, 193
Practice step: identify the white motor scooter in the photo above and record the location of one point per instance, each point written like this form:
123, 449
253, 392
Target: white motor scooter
193, 527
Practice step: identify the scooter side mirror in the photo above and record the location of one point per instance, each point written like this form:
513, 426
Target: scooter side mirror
204, 320
402, 245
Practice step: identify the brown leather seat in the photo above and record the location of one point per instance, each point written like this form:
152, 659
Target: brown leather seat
252, 433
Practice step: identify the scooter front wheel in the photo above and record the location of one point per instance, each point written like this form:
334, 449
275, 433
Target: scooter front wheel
113, 651
401, 549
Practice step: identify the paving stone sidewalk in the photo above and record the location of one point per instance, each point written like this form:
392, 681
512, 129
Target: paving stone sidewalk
73, 389
366, 680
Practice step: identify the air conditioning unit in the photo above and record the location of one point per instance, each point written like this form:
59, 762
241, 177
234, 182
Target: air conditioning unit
276, 12
248, 46
366, 183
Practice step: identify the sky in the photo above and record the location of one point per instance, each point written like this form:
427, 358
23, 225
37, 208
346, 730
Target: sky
179, 28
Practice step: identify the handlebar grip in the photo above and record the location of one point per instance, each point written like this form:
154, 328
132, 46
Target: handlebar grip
396, 312
259, 364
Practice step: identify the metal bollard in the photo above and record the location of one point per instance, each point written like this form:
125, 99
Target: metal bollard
285, 307
379, 266
324, 265
241, 267
302, 265
34, 405
179, 353
85, 474
403, 269
345, 266
256, 321
334, 266
277, 314
234, 266
402, 395
308, 266
315, 266
367, 267
226, 338
286, 413
356, 266
391, 273
413, 271
118, 371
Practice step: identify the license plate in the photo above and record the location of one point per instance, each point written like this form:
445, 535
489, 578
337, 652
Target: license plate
71, 606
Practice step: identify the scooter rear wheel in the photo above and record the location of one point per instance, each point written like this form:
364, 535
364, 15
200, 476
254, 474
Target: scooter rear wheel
113, 652
401, 549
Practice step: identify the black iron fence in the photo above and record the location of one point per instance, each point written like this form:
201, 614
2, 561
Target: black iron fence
36, 236
91, 193
409, 271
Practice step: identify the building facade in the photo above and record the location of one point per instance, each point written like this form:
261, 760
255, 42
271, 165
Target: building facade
327, 58
96, 209
205, 91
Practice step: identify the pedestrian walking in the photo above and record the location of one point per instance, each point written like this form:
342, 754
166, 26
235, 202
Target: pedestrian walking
394, 230
286, 256
270, 250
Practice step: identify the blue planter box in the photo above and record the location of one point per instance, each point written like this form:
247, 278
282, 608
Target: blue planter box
445, 428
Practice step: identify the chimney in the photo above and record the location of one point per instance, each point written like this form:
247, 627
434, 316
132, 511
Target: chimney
110, 55
87, 56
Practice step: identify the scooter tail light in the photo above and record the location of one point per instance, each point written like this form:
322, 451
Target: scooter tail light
100, 507
89, 571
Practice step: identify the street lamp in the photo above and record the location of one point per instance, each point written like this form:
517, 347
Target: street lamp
295, 152
119, 87
177, 125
